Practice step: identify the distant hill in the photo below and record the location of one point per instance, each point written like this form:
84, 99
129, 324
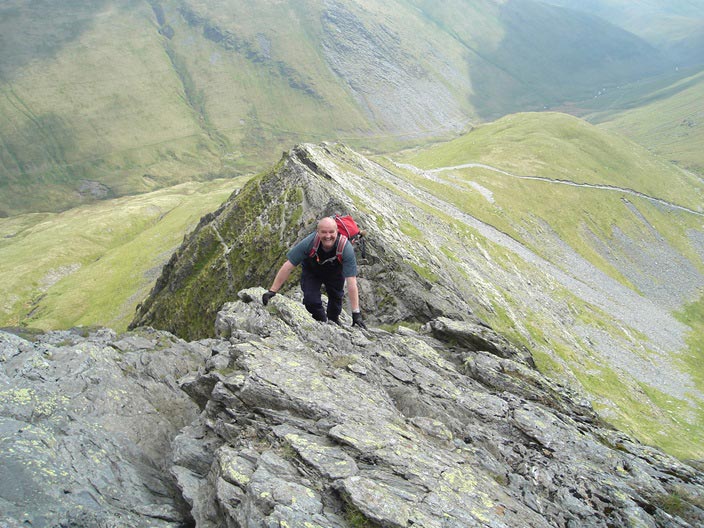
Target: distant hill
111, 98
552, 176
667, 120
93, 264
676, 27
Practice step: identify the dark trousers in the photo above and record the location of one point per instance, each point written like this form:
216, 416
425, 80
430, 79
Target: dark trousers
311, 282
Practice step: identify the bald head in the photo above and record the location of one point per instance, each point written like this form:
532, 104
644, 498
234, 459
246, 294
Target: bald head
327, 224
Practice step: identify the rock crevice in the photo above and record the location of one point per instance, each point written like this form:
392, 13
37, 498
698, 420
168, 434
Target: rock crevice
312, 423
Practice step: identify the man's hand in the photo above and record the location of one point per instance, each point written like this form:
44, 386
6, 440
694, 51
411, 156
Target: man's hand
268, 295
357, 320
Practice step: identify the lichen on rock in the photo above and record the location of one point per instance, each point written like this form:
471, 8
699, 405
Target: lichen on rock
355, 436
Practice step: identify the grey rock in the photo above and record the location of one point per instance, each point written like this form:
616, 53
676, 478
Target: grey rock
475, 335
295, 423
421, 438
86, 425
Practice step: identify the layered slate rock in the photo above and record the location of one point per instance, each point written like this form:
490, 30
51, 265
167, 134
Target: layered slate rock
428, 259
245, 241
86, 424
295, 423
308, 424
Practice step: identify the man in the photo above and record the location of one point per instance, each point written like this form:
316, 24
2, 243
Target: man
322, 266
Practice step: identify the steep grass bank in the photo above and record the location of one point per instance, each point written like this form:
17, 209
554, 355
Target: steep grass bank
561, 187
93, 264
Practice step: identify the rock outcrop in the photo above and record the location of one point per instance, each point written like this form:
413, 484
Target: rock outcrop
304, 424
86, 423
310, 424
245, 241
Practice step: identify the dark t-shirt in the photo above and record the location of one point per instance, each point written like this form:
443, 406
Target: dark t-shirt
300, 251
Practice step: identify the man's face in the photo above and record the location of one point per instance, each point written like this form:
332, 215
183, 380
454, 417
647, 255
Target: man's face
327, 231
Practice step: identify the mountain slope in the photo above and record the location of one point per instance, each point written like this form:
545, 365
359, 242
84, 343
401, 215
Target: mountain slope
675, 27
93, 264
668, 121
634, 218
578, 288
91, 107
114, 98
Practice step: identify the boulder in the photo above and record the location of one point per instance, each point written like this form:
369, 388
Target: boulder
86, 424
311, 424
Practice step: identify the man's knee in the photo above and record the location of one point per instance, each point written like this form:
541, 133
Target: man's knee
316, 310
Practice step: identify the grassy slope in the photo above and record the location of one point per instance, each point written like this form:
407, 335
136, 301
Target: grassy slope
139, 97
103, 104
669, 121
560, 146
249, 95
91, 265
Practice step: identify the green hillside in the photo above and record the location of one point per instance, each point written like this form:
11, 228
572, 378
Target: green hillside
87, 95
111, 98
544, 154
649, 242
93, 264
668, 121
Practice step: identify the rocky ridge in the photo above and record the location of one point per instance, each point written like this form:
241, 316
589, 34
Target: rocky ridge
305, 424
268, 418
310, 424
425, 259
244, 243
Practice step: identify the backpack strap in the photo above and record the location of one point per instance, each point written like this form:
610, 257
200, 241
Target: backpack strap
341, 243
316, 245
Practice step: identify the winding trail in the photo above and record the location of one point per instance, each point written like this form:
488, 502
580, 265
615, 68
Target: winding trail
594, 287
642, 335
612, 188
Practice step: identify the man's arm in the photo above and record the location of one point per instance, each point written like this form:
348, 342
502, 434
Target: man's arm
354, 302
353, 292
282, 276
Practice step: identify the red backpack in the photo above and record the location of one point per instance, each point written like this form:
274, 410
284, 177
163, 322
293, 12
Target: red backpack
348, 227
349, 230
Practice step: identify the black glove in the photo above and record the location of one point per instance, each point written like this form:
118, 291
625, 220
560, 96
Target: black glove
357, 320
268, 295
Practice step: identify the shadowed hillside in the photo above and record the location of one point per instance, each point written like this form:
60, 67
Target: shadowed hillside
676, 27
116, 98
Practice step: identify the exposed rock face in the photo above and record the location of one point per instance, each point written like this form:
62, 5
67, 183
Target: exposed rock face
86, 425
244, 243
310, 424
374, 63
307, 424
